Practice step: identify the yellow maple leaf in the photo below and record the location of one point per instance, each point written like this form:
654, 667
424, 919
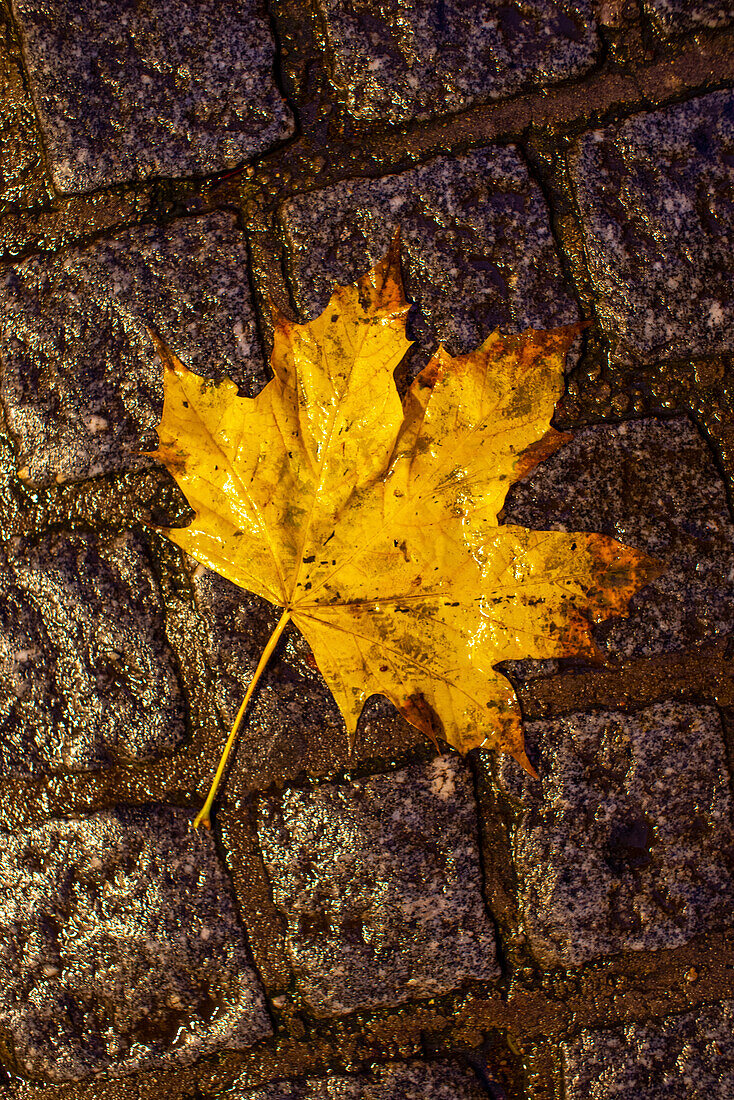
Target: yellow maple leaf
373, 523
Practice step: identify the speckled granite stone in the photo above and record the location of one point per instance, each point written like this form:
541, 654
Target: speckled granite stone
411, 1081
82, 385
120, 948
128, 90
379, 882
626, 842
652, 485
477, 248
403, 60
87, 676
676, 1058
658, 221
679, 16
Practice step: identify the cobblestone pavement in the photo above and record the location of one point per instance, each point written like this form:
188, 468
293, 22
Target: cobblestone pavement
402, 923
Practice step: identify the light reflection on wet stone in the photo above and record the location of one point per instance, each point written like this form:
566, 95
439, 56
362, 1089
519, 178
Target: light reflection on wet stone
120, 948
379, 882
626, 843
132, 90
88, 677
677, 1057
397, 61
675, 17
411, 1081
655, 200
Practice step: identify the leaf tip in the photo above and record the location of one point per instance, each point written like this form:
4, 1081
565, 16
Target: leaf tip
521, 756
382, 287
392, 255
171, 362
281, 320
539, 451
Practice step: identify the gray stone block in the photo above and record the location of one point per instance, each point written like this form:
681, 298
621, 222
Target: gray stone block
676, 1058
477, 248
87, 677
410, 1081
380, 885
82, 386
626, 842
652, 485
125, 91
655, 199
399, 61
120, 947
680, 16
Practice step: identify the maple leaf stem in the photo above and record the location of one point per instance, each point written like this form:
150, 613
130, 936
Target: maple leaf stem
203, 817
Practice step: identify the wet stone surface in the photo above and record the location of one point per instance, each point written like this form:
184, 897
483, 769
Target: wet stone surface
126, 91
652, 485
82, 385
678, 16
380, 884
655, 195
477, 252
412, 1081
120, 947
22, 174
678, 1057
626, 843
346, 891
401, 61
88, 679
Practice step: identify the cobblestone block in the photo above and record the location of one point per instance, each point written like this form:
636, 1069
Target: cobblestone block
120, 947
380, 886
477, 247
87, 677
126, 91
652, 485
626, 843
680, 16
678, 1057
411, 1081
655, 195
82, 386
401, 61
